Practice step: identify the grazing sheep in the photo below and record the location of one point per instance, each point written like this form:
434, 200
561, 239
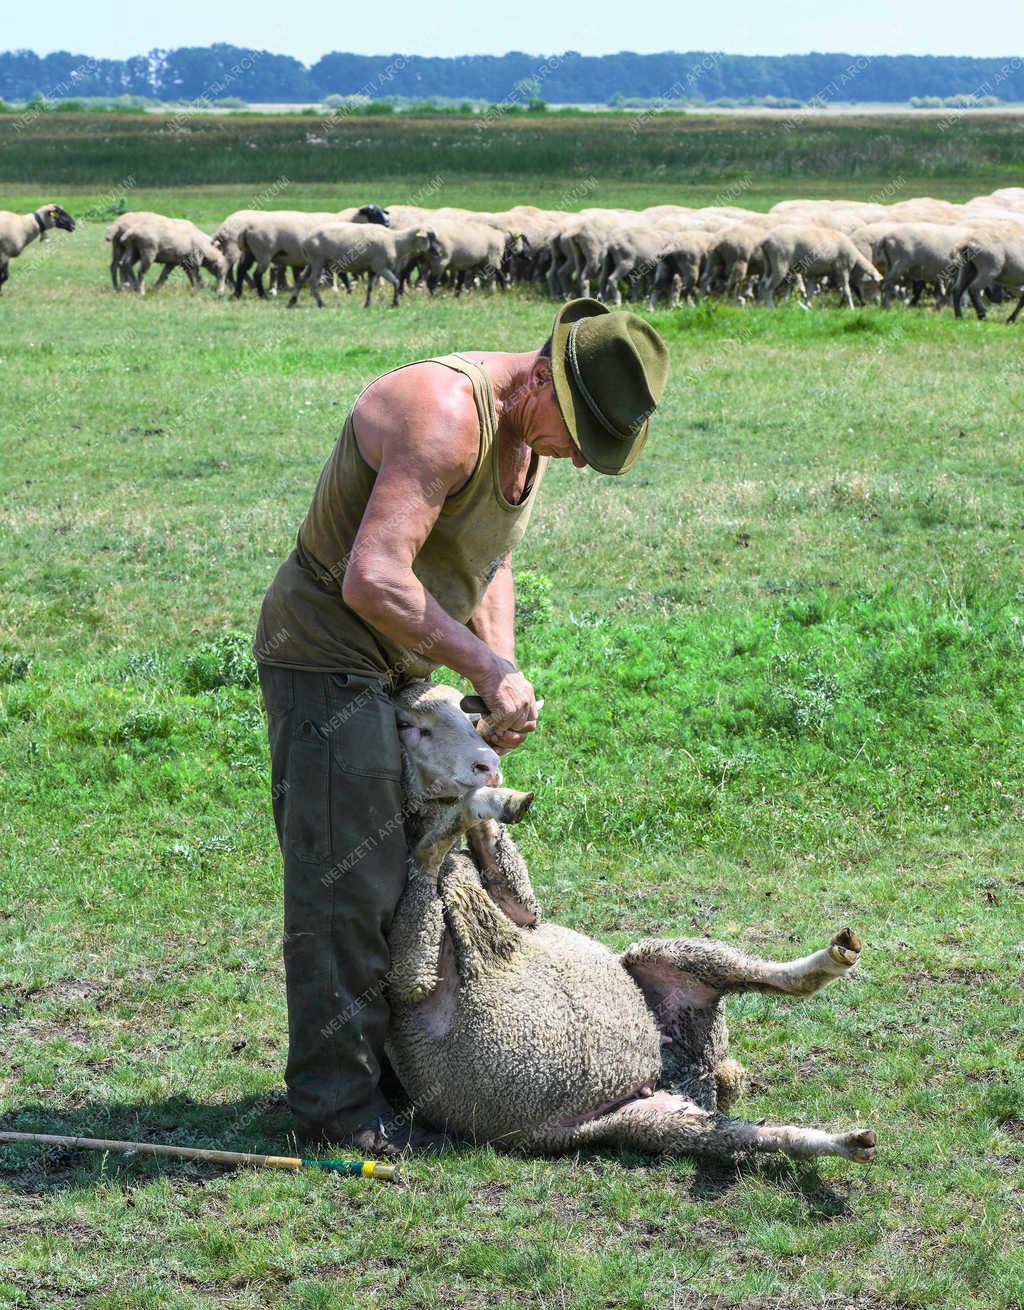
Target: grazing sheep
360, 248
275, 239
810, 250
920, 253
993, 255
19, 230
680, 266
228, 234
633, 250
530, 1036
465, 247
115, 235
732, 257
147, 239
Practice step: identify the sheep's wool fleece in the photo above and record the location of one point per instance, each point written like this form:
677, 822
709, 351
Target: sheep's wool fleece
546, 1026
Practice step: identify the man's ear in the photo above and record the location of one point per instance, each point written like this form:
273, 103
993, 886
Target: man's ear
542, 371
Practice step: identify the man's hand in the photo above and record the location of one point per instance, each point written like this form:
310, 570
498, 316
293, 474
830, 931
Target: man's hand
511, 706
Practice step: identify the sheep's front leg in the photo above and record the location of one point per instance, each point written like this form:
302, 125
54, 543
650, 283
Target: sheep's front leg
415, 937
446, 823
396, 297
503, 872
165, 273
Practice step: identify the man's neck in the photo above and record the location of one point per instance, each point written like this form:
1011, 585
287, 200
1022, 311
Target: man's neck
510, 381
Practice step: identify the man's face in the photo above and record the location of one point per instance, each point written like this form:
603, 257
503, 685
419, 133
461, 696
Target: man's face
546, 431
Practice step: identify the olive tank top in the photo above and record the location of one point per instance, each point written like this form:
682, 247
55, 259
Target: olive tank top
304, 622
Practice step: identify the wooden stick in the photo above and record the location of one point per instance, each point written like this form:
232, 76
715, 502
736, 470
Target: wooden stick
293, 1163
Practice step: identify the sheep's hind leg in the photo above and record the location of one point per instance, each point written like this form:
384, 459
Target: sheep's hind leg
674, 970
666, 1124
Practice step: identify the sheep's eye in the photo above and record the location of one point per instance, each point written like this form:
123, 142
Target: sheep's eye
404, 725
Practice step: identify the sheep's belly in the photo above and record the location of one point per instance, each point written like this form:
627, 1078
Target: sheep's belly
561, 1032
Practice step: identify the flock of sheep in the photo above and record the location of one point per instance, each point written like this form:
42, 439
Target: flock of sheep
858, 249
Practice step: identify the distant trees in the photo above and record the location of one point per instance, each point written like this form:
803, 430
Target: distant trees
224, 71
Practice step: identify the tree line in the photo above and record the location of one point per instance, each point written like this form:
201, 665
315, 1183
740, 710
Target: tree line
226, 71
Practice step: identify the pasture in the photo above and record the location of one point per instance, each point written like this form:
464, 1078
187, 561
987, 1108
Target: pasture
783, 664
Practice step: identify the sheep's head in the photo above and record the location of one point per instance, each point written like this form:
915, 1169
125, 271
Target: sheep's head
214, 260
425, 238
445, 756
56, 216
373, 214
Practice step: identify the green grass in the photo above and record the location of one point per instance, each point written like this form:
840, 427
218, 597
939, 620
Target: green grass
783, 664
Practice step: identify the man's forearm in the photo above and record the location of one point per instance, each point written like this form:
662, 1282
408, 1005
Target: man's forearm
494, 620
404, 610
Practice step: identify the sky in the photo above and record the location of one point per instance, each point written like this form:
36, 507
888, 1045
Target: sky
103, 28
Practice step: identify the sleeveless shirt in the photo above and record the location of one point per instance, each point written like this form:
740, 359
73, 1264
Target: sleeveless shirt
304, 622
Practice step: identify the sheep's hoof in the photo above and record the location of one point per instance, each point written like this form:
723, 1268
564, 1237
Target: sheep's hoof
845, 947
516, 806
860, 1147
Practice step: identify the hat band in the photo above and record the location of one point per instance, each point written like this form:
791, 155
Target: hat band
592, 405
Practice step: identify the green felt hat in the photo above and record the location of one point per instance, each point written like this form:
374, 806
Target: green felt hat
609, 369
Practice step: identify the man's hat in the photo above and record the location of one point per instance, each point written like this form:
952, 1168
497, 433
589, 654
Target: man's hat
609, 369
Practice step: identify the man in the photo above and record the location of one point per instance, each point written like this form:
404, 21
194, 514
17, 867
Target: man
401, 565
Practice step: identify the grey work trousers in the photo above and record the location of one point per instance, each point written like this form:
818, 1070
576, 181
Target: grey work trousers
338, 807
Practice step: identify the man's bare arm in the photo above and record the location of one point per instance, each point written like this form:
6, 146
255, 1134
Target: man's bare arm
419, 461
494, 621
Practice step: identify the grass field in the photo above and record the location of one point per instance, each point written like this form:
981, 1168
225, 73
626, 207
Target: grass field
783, 664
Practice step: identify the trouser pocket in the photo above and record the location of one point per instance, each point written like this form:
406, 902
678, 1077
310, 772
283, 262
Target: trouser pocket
307, 807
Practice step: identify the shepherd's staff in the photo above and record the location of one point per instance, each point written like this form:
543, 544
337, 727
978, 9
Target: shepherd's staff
293, 1163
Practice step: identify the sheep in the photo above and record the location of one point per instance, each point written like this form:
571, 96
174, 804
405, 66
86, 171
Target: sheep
19, 230
359, 248
680, 265
149, 239
992, 254
115, 235
463, 247
228, 234
920, 252
631, 252
732, 257
811, 250
275, 239
509, 1030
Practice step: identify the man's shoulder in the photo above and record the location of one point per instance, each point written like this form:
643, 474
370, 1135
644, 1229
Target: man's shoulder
424, 409
437, 390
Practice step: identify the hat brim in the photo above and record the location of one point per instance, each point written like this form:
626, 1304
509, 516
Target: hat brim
599, 448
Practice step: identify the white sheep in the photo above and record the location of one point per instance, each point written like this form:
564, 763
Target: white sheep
228, 234
19, 230
993, 255
274, 239
359, 248
509, 1030
173, 242
463, 247
814, 251
919, 253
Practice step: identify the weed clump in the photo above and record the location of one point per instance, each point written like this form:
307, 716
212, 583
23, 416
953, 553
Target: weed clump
15, 668
224, 662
